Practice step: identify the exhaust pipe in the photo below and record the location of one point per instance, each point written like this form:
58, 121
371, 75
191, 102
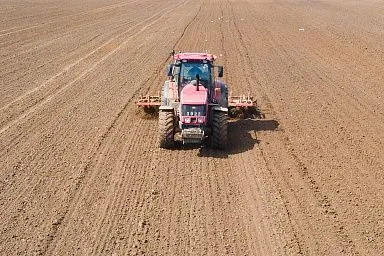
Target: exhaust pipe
197, 81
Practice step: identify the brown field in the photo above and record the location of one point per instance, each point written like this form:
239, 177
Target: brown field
81, 172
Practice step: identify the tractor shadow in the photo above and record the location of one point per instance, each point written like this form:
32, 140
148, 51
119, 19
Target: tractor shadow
242, 136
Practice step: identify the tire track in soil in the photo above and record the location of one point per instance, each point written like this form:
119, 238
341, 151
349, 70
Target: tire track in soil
258, 231
81, 190
27, 102
173, 241
85, 191
35, 180
23, 190
66, 17
106, 225
247, 82
158, 79
343, 112
117, 199
137, 241
79, 193
314, 188
41, 46
85, 24
322, 200
57, 57
59, 219
274, 236
332, 92
60, 89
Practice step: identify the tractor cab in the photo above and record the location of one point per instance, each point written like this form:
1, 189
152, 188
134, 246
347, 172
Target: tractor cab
187, 66
189, 70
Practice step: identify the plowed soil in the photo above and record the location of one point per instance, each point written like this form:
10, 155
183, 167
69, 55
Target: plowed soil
81, 172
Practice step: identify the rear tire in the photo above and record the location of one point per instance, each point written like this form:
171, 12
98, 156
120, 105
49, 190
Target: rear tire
166, 129
219, 137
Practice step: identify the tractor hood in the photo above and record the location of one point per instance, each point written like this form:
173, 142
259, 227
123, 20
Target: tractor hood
190, 95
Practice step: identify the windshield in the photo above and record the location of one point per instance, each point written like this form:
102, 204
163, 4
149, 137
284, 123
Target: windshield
193, 110
189, 70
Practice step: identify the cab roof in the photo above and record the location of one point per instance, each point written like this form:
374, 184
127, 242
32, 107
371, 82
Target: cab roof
194, 56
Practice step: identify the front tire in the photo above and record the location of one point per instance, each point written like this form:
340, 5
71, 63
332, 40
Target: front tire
219, 137
166, 129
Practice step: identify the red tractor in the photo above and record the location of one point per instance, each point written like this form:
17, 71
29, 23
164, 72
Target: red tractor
194, 105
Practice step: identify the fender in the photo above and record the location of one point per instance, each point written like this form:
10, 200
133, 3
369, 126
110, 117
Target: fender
165, 93
220, 109
166, 108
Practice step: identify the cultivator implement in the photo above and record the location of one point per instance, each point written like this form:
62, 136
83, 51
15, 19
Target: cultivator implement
242, 106
241, 101
150, 104
238, 106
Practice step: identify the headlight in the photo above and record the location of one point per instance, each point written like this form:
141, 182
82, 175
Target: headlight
187, 120
200, 120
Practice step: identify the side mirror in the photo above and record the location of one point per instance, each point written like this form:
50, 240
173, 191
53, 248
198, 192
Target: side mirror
220, 71
170, 70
